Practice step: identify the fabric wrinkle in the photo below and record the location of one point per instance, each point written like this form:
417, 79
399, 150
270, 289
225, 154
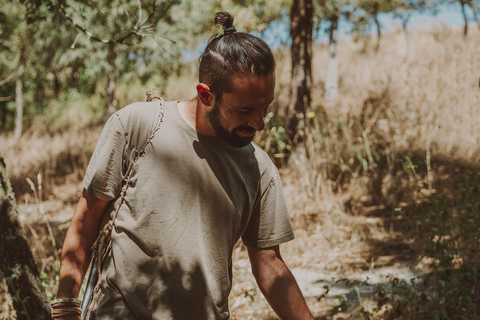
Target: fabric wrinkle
190, 199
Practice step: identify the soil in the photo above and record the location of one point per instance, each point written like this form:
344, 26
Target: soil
326, 274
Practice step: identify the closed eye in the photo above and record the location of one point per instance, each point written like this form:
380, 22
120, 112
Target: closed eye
250, 110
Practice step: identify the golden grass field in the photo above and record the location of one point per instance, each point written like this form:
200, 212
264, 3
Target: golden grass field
352, 187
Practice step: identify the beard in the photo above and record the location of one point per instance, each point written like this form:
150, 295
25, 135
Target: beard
232, 138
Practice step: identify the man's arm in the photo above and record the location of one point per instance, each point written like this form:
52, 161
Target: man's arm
278, 284
76, 252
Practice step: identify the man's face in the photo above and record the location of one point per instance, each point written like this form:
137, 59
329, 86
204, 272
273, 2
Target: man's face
239, 114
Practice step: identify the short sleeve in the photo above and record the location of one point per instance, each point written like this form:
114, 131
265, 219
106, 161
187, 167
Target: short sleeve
270, 223
103, 178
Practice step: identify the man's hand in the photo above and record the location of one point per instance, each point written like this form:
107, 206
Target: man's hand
278, 284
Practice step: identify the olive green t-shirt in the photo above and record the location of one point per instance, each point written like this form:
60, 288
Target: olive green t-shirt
191, 197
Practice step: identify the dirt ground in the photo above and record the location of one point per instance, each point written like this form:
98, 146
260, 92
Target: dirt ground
328, 262
336, 282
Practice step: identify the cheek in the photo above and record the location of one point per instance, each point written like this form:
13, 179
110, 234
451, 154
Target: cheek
233, 119
239, 120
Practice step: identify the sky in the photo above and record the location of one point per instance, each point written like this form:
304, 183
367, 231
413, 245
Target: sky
277, 34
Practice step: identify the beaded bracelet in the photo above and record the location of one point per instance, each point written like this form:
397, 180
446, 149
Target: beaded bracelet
74, 301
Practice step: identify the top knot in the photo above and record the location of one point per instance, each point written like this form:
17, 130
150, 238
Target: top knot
226, 21
229, 30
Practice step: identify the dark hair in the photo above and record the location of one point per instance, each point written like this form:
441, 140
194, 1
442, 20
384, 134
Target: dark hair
231, 54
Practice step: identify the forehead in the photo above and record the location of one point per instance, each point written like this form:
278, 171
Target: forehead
251, 91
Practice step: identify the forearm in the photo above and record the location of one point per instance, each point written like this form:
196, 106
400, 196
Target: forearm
74, 262
76, 251
279, 287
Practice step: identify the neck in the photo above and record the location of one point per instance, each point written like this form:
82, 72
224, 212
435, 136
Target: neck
187, 111
195, 115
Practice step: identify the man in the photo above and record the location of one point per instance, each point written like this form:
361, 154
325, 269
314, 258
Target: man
200, 186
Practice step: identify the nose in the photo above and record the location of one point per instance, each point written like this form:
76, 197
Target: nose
256, 121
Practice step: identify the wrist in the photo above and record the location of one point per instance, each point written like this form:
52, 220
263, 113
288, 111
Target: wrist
65, 307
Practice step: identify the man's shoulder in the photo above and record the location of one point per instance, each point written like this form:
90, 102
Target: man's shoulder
138, 119
265, 164
260, 154
138, 110
141, 114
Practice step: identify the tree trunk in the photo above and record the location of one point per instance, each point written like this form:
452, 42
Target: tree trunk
407, 39
56, 83
465, 19
331, 81
111, 81
301, 29
379, 31
16, 261
475, 14
3, 119
19, 102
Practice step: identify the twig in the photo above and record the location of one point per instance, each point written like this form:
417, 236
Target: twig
42, 212
138, 30
429, 164
10, 77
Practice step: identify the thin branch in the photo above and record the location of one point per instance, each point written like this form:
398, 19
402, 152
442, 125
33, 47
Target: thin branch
10, 77
170, 5
3, 99
134, 23
140, 29
88, 33
139, 10
172, 41
76, 39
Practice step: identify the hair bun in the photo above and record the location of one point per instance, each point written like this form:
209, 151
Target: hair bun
225, 19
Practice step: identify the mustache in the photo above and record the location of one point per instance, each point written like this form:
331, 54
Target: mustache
245, 128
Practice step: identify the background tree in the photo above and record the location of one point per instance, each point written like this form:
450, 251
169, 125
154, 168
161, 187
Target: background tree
301, 29
465, 4
331, 11
117, 23
193, 24
373, 8
18, 33
16, 261
34, 68
405, 10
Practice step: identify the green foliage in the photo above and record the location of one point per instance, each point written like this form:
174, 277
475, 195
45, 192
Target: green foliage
274, 139
40, 47
65, 45
70, 110
446, 229
450, 225
340, 304
12, 283
332, 10
50, 280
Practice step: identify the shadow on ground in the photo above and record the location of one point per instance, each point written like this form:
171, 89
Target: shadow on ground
430, 261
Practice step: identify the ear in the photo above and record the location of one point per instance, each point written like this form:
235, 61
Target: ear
205, 95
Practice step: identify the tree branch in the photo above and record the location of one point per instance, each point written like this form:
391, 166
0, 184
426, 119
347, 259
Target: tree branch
3, 99
140, 29
9, 78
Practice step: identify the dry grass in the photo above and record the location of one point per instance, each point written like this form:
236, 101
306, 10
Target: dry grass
407, 101
429, 93
57, 159
418, 99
